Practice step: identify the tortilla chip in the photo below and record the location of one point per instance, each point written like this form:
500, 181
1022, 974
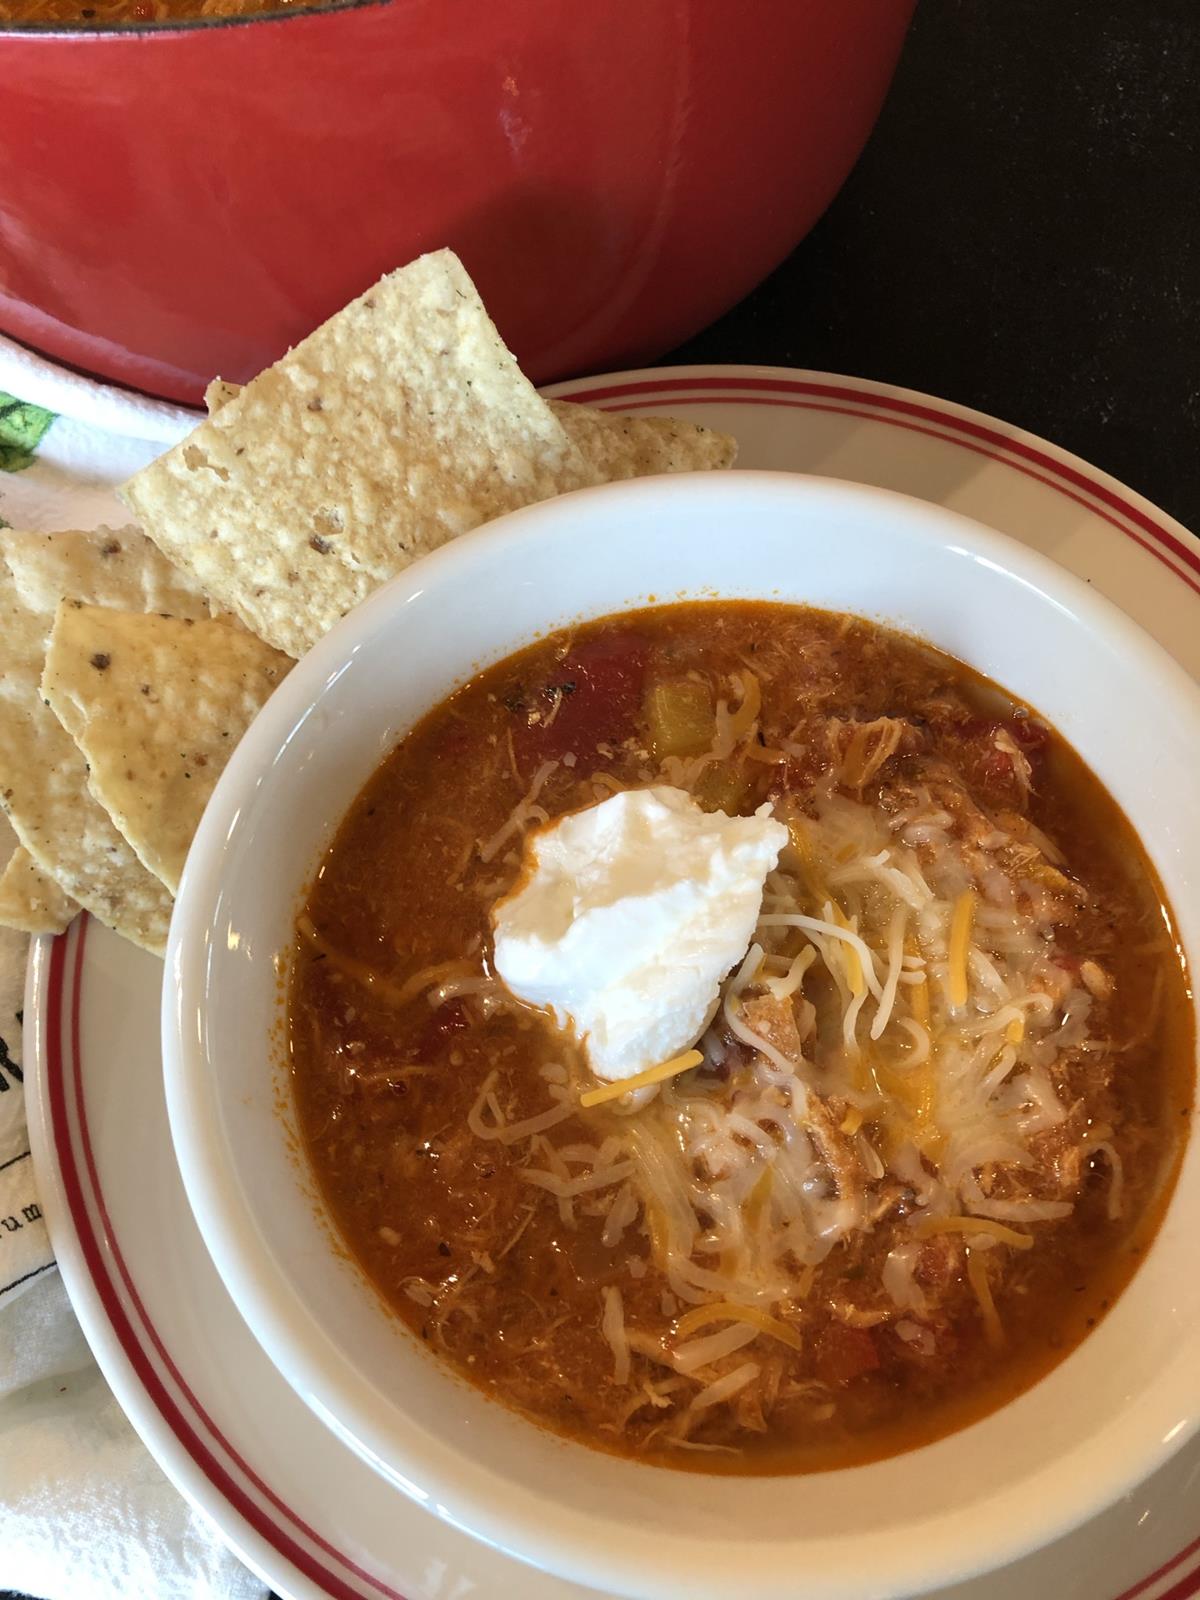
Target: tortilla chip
157, 706
219, 393
616, 446
106, 567
612, 445
399, 424
31, 901
43, 778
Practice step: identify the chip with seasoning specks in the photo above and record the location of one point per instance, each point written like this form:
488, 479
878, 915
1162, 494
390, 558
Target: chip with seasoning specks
613, 446
132, 661
43, 778
399, 424
156, 706
29, 900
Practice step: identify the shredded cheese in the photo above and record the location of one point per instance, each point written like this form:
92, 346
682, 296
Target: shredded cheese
758, 1197
931, 1225
656, 1227
960, 938
895, 962
854, 967
801, 843
728, 1311
612, 1325
523, 812
723, 1389
396, 994
435, 976
821, 925
977, 1274
918, 993
746, 715
948, 1075
784, 988
642, 1080
918, 999
566, 1188
860, 762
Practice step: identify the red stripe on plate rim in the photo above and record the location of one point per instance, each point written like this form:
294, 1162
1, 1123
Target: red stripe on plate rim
945, 438
1187, 1586
753, 391
759, 391
64, 1076
1161, 1572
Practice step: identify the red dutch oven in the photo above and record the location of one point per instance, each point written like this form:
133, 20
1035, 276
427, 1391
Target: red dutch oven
178, 200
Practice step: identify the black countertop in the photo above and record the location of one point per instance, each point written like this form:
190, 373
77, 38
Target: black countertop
1022, 235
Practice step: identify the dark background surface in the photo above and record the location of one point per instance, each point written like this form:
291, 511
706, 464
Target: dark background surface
1022, 235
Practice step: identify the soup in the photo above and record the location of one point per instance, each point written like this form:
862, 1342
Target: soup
936, 1103
129, 13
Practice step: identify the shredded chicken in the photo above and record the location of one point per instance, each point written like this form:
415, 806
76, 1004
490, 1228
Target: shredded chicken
775, 1021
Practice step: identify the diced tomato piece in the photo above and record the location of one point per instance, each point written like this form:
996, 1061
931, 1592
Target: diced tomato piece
594, 697
1027, 733
993, 768
844, 1354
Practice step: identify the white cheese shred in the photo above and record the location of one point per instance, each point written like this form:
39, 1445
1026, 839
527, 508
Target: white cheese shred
521, 814
612, 1325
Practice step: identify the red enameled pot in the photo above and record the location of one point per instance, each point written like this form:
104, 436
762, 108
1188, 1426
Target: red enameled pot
186, 199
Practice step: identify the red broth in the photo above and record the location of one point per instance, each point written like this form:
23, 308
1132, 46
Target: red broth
750, 1273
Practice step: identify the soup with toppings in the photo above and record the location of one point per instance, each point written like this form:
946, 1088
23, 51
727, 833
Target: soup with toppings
935, 1105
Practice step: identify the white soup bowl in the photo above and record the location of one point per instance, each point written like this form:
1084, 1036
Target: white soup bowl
1103, 1419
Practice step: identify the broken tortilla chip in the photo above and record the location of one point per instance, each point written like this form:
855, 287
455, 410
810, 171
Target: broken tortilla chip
31, 901
617, 446
107, 566
157, 706
219, 393
613, 446
43, 778
399, 424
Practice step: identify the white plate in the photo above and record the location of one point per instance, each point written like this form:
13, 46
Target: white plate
293, 1501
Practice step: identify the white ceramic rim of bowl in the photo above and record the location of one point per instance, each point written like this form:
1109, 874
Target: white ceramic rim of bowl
581, 1545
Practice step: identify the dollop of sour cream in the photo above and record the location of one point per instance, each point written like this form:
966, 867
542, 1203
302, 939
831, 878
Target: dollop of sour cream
627, 916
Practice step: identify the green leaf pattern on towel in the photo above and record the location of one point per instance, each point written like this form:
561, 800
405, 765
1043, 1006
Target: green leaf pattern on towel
22, 429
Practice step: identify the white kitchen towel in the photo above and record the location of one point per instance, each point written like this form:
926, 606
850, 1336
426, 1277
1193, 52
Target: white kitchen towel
85, 1513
